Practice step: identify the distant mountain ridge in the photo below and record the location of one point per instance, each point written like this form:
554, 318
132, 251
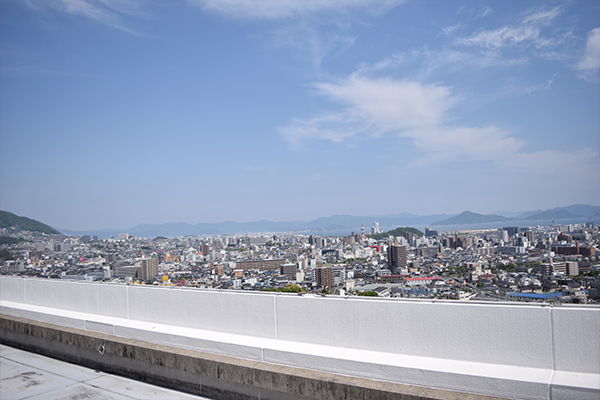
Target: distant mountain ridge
552, 214
468, 217
8, 219
340, 223
558, 213
324, 224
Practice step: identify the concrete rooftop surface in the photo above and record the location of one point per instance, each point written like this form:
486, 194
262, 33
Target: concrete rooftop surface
25, 375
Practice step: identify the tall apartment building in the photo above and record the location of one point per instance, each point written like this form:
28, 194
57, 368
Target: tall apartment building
149, 268
324, 277
567, 268
261, 264
218, 269
127, 271
339, 276
530, 236
205, 250
288, 270
427, 251
503, 235
316, 241
512, 230
375, 229
396, 257
585, 251
431, 233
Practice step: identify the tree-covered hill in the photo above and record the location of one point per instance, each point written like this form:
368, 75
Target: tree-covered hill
8, 219
396, 232
10, 240
468, 217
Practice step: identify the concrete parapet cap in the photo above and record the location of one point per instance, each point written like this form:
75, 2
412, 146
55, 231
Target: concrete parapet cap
512, 350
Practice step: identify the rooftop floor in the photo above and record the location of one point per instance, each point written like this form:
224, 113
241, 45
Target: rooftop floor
25, 375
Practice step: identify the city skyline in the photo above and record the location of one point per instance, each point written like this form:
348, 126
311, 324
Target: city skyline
121, 113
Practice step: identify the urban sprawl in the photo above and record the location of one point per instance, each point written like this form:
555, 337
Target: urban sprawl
556, 264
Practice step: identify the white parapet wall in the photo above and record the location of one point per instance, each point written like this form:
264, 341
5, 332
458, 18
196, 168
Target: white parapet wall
510, 350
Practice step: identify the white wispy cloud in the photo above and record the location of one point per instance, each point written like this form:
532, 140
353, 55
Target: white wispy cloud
133, 8
485, 12
540, 87
109, 13
373, 107
388, 62
311, 41
541, 16
335, 127
313, 30
589, 65
391, 104
425, 64
474, 12
449, 30
283, 9
364, 107
501, 37
526, 31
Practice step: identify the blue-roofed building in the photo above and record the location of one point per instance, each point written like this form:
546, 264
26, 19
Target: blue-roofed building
518, 296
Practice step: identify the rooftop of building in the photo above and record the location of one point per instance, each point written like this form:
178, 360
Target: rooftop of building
26, 375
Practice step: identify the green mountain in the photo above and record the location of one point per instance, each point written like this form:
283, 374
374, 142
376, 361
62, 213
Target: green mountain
10, 240
396, 232
469, 217
553, 214
8, 219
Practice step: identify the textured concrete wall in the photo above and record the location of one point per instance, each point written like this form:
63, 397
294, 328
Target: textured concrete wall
214, 376
507, 350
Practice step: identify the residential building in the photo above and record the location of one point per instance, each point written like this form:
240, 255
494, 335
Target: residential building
149, 268
324, 277
396, 257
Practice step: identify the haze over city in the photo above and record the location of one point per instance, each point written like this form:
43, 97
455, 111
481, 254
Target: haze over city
116, 113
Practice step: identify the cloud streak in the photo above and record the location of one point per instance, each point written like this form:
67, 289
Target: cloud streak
312, 42
312, 29
286, 9
374, 107
589, 65
540, 87
109, 13
526, 32
371, 107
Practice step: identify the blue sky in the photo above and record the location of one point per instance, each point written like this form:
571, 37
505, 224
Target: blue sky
114, 113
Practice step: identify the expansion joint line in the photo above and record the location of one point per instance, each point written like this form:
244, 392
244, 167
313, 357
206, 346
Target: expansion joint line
275, 315
552, 338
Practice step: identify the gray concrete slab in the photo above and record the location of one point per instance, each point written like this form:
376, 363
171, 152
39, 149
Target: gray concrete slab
25, 375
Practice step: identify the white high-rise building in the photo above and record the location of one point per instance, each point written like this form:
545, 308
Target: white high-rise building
503, 235
375, 229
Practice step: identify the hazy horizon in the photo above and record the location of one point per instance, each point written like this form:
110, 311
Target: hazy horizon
121, 113
351, 222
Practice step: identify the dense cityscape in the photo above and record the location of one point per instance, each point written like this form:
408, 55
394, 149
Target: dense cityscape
299, 199
555, 263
